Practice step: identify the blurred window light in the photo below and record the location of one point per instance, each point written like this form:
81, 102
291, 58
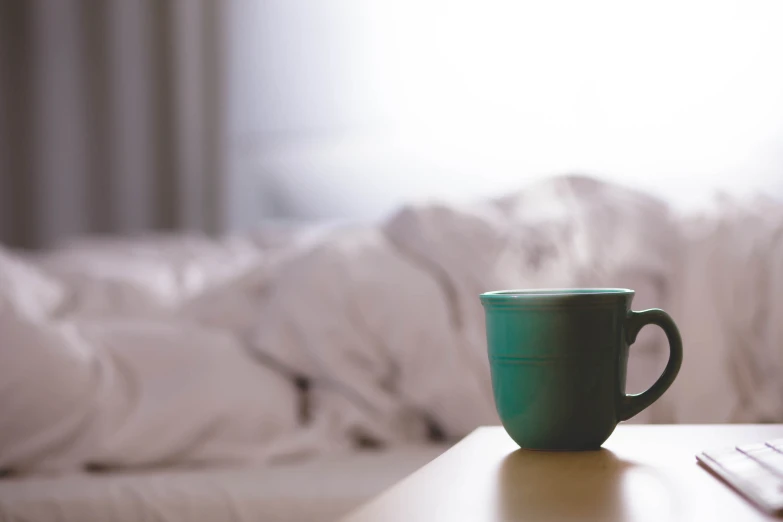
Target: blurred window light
678, 97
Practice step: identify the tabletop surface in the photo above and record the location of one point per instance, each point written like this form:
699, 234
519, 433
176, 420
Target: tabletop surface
642, 473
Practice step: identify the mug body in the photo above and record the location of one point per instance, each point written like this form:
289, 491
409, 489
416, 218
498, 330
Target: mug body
558, 360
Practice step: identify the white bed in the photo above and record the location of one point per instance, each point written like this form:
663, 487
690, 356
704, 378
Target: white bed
321, 489
188, 351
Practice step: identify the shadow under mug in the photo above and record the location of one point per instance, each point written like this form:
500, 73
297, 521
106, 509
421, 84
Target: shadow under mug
559, 358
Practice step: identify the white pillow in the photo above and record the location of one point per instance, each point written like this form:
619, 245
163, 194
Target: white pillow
25, 290
144, 277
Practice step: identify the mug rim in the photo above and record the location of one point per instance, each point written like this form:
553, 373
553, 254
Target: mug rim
528, 295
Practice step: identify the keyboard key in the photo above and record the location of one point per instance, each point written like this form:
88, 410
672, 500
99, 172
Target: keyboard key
754, 480
766, 456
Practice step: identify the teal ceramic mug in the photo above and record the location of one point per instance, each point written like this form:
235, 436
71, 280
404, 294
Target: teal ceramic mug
558, 360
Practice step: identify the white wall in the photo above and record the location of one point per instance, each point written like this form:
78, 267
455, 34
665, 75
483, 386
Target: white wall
347, 108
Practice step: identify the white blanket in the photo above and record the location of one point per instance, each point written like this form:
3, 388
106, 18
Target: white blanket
187, 351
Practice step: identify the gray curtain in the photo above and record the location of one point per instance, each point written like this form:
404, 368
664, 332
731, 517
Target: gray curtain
111, 118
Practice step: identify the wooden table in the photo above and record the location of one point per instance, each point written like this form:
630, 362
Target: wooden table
643, 473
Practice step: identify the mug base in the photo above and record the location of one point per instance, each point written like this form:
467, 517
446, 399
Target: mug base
561, 450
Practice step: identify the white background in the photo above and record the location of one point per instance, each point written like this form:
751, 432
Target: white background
346, 108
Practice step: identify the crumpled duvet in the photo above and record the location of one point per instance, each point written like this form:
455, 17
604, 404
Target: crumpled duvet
283, 343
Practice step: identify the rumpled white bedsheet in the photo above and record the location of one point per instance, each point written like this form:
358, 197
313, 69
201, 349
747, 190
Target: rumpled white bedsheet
321, 489
173, 351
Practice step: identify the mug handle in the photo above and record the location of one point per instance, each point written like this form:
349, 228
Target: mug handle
630, 405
